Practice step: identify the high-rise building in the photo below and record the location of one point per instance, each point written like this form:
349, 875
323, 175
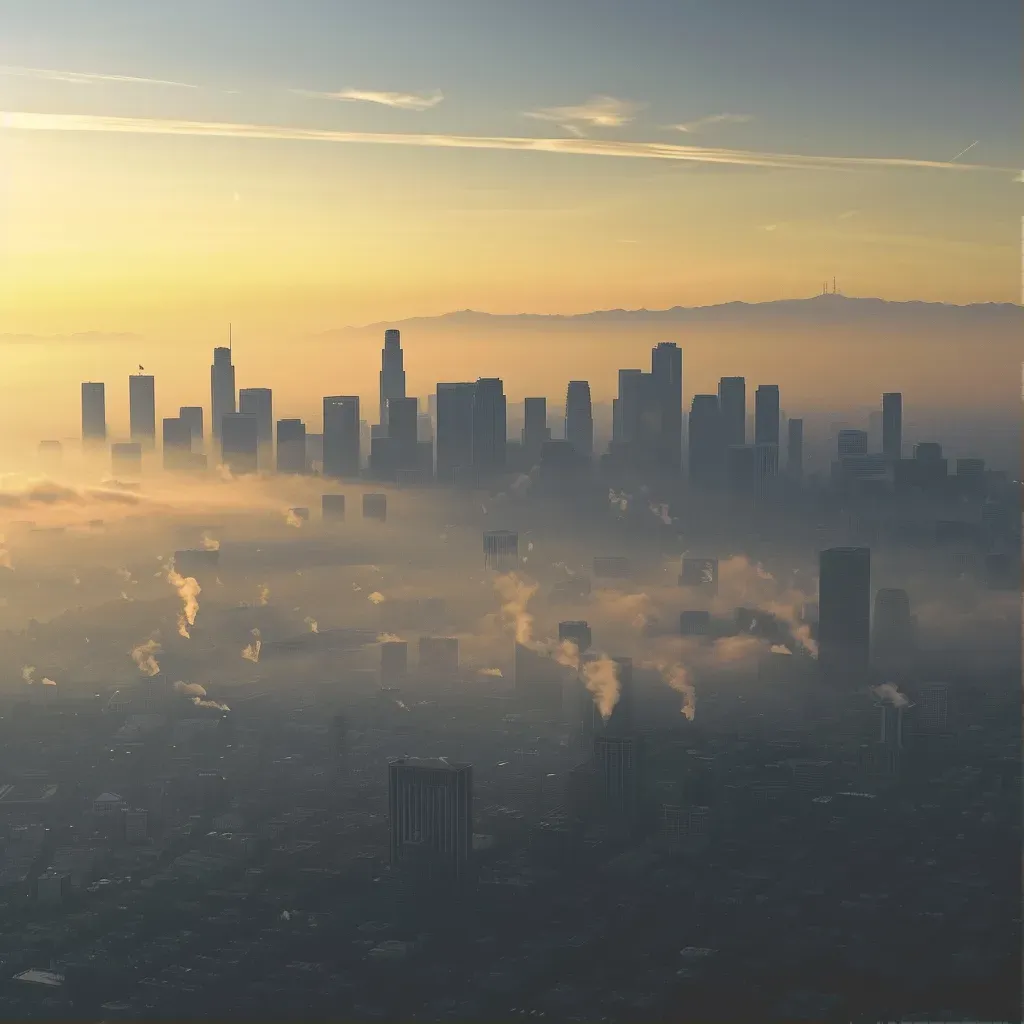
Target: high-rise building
892, 629
766, 469
538, 679
795, 449
402, 421
291, 447
489, 426
239, 443
620, 722
844, 614
341, 436
579, 418
576, 632
94, 412
222, 389
616, 760
535, 428
142, 409
732, 403
439, 657
740, 469
892, 425
933, 707
193, 416
852, 443
392, 372
638, 420
501, 550
332, 507
667, 384
394, 662
177, 444
766, 414
430, 813
259, 402
706, 453
453, 437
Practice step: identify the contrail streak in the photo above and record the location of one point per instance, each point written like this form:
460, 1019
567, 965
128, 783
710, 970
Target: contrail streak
967, 150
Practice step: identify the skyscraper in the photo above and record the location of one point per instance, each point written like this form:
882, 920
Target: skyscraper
852, 443
620, 722
535, 428
291, 447
430, 813
766, 414
732, 404
239, 442
489, 426
193, 416
579, 418
844, 614
616, 760
667, 384
892, 425
142, 409
795, 449
706, 453
177, 444
392, 372
341, 436
453, 440
892, 630
222, 388
259, 402
403, 423
94, 412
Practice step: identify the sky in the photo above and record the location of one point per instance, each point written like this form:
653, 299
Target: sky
302, 165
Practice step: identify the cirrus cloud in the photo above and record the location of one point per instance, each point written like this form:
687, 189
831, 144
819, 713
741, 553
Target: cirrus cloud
398, 100
87, 77
703, 122
596, 112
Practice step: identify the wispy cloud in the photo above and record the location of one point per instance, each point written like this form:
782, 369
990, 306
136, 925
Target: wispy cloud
849, 214
88, 78
704, 122
597, 112
569, 147
769, 227
399, 100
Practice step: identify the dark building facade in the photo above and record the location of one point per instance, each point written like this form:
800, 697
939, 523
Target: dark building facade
341, 436
732, 402
94, 412
579, 418
142, 409
453, 437
239, 443
844, 614
291, 447
766, 414
489, 426
222, 388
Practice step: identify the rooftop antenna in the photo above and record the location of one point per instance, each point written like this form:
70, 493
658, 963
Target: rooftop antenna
833, 286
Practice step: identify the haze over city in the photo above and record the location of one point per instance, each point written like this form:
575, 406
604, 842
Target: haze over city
510, 510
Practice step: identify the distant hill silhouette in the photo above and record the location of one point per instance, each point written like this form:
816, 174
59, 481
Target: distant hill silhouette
825, 309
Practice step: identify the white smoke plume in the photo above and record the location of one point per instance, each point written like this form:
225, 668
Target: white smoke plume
252, 651
661, 511
200, 703
376, 598
292, 519
144, 656
314, 626
677, 676
47, 682
889, 692
76, 579
224, 472
637, 610
189, 689
263, 599
210, 543
779, 649
388, 638
188, 590
28, 673
126, 575
125, 597
515, 593
601, 676
496, 672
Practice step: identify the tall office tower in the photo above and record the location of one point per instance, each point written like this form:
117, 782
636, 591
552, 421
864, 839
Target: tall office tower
239, 442
844, 614
933, 707
489, 426
620, 722
535, 428
501, 550
222, 389
795, 449
94, 412
259, 402
576, 632
891, 719
740, 469
453, 436
142, 409
394, 662
766, 469
402, 421
892, 630
177, 444
392, 372
667, 384
616, 760
332, 507
341, 436
892, 425
193, 416
579, 418
291, 447
705, 451
852, 443
430, 813
732, 403
766, 414
126, 458
638, 417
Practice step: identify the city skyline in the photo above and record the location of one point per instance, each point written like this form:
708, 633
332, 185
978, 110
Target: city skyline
202, 181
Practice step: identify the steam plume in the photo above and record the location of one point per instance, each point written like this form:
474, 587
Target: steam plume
190, 689
314, 626
200, 703
210, 543
28, 673
292, 519
376, 598
889, 692
602, 679
388, 638
779, 649
188, 590
252, 651
496, 672
515, 594
264, 596
678, 677
47, 682
144, 656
